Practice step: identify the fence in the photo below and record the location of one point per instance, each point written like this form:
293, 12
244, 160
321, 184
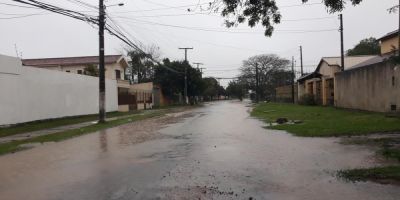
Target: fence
30, 94
373, 88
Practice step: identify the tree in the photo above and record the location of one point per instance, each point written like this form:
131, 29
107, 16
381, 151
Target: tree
211, 88
91, 70
368, 46
236, 89
265, 12
273, 72
170, 75
141, 63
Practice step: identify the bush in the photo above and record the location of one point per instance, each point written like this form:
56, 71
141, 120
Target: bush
307, 99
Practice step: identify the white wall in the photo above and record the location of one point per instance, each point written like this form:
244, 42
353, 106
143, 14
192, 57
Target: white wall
29, 94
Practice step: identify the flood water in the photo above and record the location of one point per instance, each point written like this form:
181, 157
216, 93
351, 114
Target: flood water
214, 152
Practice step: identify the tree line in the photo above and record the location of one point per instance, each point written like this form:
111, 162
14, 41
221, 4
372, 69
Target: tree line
170, 75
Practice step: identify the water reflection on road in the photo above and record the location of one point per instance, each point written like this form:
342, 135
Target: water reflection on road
213, 152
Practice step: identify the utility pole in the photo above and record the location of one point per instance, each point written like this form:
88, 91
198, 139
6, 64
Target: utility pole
257, 90
198, 64
102, 83
301, 61
186, 60
341, 41
293, 77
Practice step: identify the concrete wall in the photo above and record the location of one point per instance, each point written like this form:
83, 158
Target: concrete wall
284, 93
372, 88
29, 93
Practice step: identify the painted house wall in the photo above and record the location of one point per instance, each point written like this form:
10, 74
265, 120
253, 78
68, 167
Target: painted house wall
388, 44
30, 93
109, 73
369, 88
143, 91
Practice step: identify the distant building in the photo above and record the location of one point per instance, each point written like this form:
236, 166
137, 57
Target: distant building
285, 94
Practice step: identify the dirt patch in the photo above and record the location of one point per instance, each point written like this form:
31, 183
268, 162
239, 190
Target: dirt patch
148, 129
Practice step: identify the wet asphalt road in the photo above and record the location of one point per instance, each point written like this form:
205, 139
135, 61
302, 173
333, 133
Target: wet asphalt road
213, 152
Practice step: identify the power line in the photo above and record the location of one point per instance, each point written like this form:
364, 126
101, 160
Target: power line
226, 31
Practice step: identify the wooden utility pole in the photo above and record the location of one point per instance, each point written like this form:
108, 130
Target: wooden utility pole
198, 64
301, 61
186, 60
341, 41
257, 83
102, 83
293, 81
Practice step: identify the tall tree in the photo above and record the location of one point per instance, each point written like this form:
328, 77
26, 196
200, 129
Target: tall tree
211, 88
265, 12
273, 72
235, 89
368, 46
170, 75
141, 63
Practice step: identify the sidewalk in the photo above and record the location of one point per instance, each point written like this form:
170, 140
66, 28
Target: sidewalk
49, 131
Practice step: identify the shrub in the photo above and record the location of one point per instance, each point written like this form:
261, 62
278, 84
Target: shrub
307, 99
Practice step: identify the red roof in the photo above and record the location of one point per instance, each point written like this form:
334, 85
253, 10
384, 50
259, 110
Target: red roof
68, 61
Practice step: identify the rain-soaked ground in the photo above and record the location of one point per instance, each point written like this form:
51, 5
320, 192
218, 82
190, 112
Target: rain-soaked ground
213, 152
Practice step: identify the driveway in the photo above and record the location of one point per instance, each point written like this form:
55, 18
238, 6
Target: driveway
214, 152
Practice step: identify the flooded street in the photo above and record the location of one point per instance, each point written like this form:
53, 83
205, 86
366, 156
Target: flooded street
213, 152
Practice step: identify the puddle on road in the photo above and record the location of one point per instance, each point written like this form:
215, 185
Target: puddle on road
215, 152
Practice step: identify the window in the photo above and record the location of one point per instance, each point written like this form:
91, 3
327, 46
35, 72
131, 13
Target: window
79, 71
68, 71
118, 74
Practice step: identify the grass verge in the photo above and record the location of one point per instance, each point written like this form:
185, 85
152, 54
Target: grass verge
320, 121
53, 123
56, 137
387, 175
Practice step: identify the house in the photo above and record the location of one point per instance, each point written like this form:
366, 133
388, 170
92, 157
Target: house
149, 95
374, 84
321, 83
115, 67
389, 42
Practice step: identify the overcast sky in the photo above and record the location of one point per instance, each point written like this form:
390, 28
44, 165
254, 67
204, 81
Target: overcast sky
169, 25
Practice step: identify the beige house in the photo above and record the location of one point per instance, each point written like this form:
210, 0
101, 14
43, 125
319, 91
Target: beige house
321, 83
115, 67
389, 42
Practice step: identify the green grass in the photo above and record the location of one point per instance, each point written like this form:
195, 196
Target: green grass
378, 174
325, 121
53, 123
56, 137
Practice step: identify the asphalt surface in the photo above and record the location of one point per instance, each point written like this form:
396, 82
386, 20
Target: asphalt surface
214, 152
